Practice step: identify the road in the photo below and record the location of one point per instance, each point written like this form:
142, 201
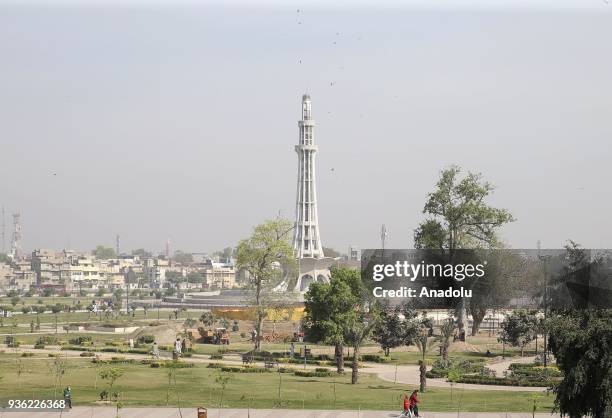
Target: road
108, 412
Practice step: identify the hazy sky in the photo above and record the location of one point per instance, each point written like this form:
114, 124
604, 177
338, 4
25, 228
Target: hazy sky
158, 122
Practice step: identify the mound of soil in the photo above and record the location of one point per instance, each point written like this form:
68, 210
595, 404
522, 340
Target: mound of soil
164, 334
460, 346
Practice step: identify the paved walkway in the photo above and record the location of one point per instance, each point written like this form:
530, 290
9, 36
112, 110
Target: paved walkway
107, 412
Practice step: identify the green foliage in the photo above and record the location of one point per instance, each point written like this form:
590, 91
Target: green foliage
104, 253
582, 342
519, 328
458, 214
393, 331
263, 256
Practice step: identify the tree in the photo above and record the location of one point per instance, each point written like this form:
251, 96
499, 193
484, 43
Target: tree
222, 379
581, 343
104, 253
14, 300
208, 319
5, 259
141, 252
519, 328
422, 343
459, 218
263, 256
111, 375
328, 311
340, 312
225, 253
182, 258
446, 332
395, 327
59, 368
195, 277
55, 309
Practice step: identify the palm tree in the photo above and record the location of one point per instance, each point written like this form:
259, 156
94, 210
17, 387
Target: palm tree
422, 343
446, 331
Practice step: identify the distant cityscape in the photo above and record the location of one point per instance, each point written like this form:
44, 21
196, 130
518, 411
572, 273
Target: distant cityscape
108, 269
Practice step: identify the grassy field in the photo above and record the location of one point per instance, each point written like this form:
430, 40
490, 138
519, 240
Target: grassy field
142, 385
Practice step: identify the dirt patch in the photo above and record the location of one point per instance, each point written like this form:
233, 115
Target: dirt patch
164, 334
460, 346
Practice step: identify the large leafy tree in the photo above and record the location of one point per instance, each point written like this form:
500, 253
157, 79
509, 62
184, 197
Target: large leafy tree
458, 217
396, 326
582, 343
104, 253
341, 312
329, 310
519, 328
264, 256
580, 335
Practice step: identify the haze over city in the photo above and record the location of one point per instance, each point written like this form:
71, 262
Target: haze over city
160, 123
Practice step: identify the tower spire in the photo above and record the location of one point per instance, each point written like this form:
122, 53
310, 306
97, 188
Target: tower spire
306, 238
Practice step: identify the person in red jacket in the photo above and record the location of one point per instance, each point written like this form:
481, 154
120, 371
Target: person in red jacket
413, 404
406, 412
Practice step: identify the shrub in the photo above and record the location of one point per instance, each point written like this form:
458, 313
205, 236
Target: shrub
27, 354
246, 369
375, 358
505, 381
215, 365
81, 340
216, 356
304, 373
39, 345
87, 354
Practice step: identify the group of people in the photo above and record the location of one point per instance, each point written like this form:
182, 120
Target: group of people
411, 409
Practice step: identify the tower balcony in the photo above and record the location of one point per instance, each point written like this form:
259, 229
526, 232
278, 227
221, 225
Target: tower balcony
313, 148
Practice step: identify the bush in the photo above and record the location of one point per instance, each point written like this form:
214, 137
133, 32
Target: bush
27, 354
81, 340
246, 369
304, 373
137, 351
39, 345
87, 354
375, 358
505, 381
216, 356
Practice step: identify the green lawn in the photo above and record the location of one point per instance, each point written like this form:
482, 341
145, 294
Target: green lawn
145, 386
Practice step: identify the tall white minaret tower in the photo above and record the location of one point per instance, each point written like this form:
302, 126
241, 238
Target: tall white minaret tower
306, 238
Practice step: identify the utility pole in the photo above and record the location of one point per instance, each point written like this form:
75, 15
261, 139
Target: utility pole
3, 233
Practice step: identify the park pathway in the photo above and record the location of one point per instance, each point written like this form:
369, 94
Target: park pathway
108, 412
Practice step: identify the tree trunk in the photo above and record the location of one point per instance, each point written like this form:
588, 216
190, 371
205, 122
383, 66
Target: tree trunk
461, 316
422, 377
340, 358
477, 318
355, 374
260, 319
445, 351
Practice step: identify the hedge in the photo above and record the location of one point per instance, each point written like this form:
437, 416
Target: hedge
305, 373
504, 381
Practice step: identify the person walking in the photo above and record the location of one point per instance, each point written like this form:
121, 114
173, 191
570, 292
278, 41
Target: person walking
413, 404
406, 412
68, 397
